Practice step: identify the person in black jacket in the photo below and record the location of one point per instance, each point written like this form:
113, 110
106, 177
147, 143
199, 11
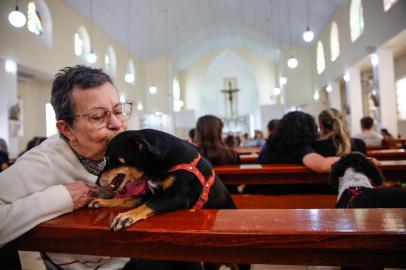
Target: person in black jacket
335, 136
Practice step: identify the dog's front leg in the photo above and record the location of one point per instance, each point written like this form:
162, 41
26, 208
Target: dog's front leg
126, 219
128, 202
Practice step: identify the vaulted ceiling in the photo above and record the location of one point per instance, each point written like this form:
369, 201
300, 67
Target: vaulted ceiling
151, 28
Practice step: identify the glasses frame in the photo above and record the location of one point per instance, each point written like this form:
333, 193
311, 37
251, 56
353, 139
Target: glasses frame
109, 114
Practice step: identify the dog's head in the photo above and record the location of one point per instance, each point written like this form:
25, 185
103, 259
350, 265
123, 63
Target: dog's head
359, 163
129, 155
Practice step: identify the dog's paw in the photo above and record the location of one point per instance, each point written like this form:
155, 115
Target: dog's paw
122, 221
96, 203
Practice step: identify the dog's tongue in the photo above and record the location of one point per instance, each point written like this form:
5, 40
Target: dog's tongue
135, 188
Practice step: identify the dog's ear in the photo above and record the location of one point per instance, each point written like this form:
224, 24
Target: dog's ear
337, 171
139, 143
372, 172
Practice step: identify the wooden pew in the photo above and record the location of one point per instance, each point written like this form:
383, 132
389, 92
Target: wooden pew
393, 170
247, 150
352, 237
381, 154
289, 201
388, 154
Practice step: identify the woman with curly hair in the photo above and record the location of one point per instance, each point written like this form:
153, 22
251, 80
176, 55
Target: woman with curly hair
292, 141
209, 140
335, 136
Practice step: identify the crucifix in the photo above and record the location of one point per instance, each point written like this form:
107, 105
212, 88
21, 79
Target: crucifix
230, 97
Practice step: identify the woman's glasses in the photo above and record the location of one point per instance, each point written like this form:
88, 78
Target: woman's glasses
99, 118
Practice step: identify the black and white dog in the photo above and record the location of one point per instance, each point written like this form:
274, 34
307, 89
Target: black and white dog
357, 179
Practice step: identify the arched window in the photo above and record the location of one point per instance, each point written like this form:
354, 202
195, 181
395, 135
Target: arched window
82, 43
387, 4
177, 101
34, 23
321, 62
334, 42
110, 61
356, 19
39, 21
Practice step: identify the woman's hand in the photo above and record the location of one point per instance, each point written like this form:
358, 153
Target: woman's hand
82, 193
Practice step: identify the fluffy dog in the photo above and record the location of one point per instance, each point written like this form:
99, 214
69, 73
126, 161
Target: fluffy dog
356, 178
155, 172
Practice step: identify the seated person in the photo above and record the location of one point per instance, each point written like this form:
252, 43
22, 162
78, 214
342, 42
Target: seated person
368, 134
192, 135
335, 136
292, 142
4, 160
208, 138
272, 126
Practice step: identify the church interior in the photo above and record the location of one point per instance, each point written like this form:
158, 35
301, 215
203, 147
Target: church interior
244, 61
173, 59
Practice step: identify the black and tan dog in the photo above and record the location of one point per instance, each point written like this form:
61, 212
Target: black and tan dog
155, 172
358, 180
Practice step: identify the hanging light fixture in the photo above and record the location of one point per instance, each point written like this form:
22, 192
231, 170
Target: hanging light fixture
292, 61
152, 88
129, 75
308, 35
91, 57
16, 17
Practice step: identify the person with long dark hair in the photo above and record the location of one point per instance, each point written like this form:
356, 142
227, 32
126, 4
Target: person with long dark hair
209, 140
292, 141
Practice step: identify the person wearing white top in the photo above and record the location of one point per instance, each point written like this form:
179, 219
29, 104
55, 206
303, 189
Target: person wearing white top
368, 134
59, 175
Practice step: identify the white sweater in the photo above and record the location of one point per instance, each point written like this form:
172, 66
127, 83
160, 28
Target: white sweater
32, 191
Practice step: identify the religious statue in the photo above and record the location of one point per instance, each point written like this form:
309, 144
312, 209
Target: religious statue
231, 104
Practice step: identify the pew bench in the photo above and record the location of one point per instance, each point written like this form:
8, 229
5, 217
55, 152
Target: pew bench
351, 237
382, 154
290, 174
285, 201
388, 154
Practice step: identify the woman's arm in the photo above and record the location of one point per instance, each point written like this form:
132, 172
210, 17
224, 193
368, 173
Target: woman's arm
318, 163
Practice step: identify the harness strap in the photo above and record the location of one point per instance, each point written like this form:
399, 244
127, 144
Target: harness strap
192, 168
355, 191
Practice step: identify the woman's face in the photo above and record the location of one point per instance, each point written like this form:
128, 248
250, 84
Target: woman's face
84, 137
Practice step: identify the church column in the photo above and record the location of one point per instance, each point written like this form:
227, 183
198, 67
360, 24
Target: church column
354, 96
8, 94
335, 95
387, 95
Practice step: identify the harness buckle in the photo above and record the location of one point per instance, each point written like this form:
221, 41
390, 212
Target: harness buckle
204, 198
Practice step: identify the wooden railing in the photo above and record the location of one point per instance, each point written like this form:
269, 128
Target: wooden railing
351, 237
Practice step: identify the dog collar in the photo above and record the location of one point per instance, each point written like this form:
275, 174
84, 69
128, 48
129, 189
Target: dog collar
191, 167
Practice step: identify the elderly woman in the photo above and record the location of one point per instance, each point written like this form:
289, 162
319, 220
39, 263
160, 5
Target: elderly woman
58, 176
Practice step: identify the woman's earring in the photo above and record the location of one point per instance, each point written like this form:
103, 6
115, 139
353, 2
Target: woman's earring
74, 142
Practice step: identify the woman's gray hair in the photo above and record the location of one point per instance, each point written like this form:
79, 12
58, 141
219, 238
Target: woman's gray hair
65, 81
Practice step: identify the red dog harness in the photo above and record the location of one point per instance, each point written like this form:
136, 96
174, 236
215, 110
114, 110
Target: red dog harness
191, 167
355, 192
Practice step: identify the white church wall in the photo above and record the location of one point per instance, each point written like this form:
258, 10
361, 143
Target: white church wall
258, 74
34, 95
26, 50
380, 26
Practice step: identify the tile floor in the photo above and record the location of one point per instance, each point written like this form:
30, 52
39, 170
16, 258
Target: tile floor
32, 261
